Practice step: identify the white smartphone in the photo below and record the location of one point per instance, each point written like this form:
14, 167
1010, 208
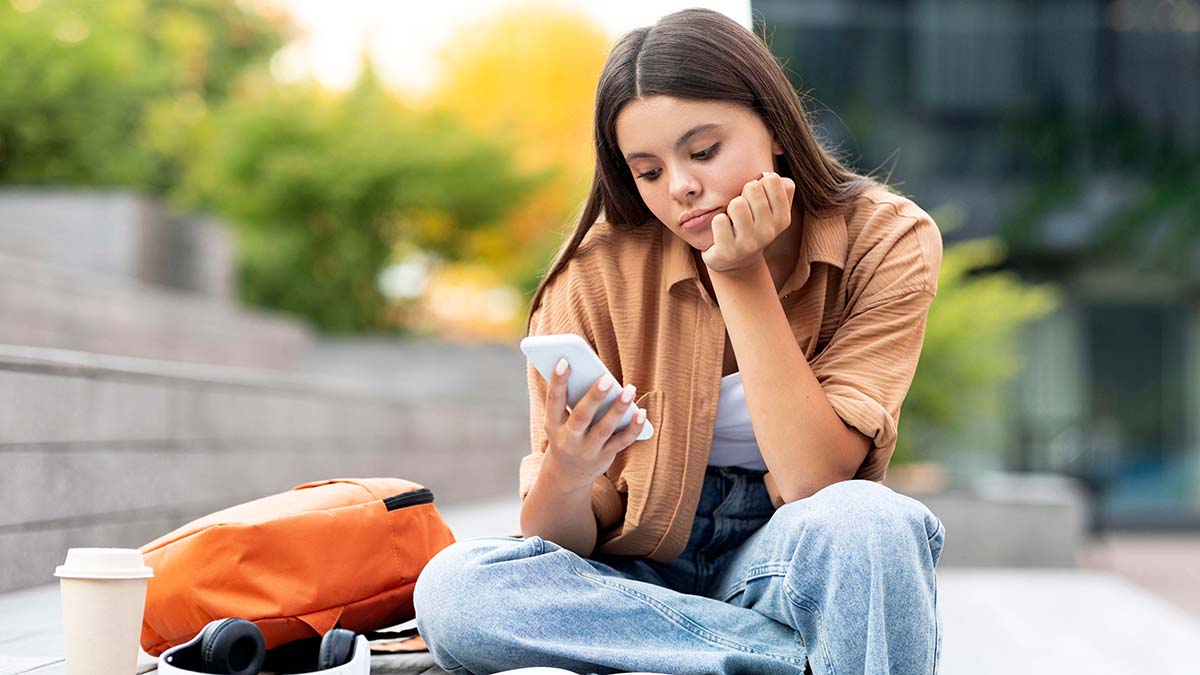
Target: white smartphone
544, 351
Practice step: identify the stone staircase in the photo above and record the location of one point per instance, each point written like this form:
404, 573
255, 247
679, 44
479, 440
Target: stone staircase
114, 273
135, 395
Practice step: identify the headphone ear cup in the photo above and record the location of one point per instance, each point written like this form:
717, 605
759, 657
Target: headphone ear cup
337, 648
232, 647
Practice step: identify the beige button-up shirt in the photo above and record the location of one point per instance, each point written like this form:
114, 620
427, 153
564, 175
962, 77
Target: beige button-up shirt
857, 303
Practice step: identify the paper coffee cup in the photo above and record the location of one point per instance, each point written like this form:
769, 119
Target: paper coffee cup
103, 598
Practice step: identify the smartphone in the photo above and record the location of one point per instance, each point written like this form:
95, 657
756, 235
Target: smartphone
544, 351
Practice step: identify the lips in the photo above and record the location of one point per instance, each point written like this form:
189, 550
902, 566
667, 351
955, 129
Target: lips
697, 218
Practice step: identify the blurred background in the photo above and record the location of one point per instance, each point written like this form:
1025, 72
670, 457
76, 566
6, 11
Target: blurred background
246, 244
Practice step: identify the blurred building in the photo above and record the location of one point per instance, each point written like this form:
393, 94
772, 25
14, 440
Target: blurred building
1043, 120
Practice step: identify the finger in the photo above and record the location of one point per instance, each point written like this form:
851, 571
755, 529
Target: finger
776, 194
556, 395
606, 425
628, 435
756, 196
722, 230
740, 216
585, 410
790, 187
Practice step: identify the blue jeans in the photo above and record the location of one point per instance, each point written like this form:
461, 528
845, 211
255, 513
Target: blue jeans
842, 581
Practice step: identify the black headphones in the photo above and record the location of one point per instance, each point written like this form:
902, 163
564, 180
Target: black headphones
236, 647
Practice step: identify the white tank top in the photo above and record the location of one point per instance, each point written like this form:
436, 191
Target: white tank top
733, 442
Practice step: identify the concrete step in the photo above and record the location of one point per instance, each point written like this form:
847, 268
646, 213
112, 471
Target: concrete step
424, 368
102, 450
119, 234
53, 305
1004, 519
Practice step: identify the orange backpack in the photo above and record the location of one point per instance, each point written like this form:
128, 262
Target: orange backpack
337, 553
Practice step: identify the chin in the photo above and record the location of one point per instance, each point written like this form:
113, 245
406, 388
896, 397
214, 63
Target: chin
700, 241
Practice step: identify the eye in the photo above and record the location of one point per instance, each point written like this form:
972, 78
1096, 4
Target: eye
704, 155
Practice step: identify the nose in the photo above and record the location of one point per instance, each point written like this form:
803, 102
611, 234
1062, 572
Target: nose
684, 186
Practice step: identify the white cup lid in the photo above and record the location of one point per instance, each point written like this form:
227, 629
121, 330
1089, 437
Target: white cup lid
104, 563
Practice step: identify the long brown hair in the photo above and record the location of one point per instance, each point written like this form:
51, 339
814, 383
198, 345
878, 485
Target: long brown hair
700, 54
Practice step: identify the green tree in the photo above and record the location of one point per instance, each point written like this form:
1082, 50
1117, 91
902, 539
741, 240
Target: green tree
323, 188
174, 97
82, 83
972, 341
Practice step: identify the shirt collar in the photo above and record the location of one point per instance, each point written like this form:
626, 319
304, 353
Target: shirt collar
823, 240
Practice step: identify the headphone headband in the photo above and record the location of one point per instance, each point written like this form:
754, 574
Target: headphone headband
236, 647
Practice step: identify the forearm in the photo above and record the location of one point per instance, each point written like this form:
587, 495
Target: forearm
563, 516
803, 441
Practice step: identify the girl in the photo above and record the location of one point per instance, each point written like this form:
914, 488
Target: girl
771, 304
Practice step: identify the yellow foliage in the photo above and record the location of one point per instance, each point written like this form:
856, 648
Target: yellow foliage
530, 73
526, 76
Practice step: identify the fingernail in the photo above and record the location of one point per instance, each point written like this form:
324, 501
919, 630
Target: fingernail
641, 416
606, 382
627, 393
561, 366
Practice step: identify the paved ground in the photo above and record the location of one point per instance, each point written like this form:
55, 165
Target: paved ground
1167, 565
1131, 608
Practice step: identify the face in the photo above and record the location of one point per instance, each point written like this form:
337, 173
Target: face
690, 156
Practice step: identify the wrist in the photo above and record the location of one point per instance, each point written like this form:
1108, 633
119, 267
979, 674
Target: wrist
756, 265
561, 483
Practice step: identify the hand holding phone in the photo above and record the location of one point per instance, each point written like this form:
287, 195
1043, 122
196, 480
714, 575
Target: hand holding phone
582, 444
586, 368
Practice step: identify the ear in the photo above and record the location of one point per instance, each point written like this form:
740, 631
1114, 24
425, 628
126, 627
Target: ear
776, 148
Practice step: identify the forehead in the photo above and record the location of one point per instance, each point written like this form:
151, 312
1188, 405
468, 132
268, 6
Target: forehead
654, 123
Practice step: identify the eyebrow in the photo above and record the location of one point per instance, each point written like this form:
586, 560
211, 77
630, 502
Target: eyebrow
682, 139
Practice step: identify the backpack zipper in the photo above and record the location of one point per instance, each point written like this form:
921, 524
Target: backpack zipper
421, 496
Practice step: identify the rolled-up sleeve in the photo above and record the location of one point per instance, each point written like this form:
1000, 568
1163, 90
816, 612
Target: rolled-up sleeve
867, 367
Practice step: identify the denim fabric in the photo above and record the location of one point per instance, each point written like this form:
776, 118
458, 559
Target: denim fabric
842, 581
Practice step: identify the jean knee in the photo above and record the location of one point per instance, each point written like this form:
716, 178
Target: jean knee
937, 539
448, 586
867, 513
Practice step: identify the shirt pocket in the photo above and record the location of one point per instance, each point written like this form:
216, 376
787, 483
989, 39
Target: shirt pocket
632, 470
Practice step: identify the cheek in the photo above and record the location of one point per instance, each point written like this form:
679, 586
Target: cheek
656, 198
735, 173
